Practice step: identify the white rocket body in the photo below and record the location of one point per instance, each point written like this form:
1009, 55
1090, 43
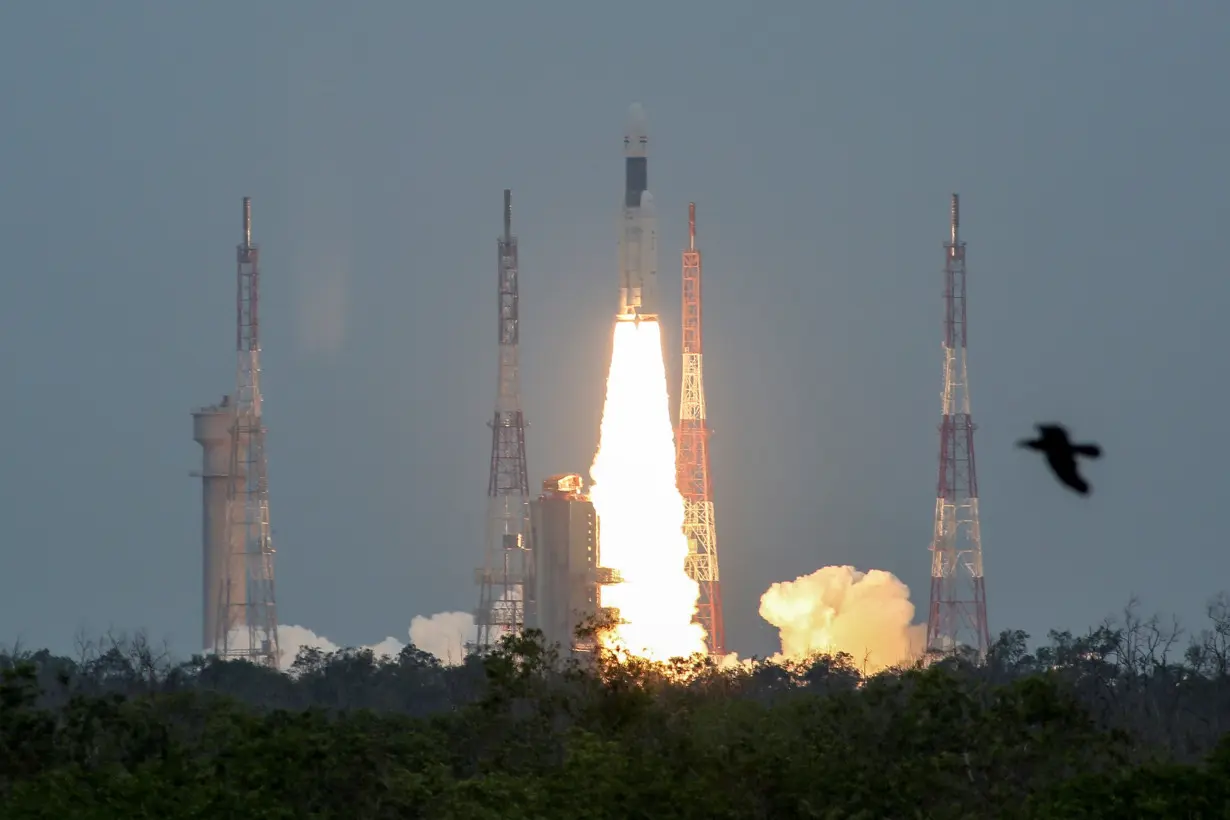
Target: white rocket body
638, 238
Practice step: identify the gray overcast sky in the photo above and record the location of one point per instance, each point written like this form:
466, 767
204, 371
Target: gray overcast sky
820, 141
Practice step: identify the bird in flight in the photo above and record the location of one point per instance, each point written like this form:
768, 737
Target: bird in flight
1061, 454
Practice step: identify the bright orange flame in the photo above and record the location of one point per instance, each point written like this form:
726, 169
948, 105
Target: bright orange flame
640, 510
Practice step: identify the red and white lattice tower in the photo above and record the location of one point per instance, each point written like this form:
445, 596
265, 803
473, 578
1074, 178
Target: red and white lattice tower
958, 615
248, 603
692, 454
506, 580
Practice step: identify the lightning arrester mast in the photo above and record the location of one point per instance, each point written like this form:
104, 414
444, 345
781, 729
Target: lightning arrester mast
692, 454
248, 604
506, 580
958, 614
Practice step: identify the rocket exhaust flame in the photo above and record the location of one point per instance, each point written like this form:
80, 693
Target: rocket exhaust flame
640, 510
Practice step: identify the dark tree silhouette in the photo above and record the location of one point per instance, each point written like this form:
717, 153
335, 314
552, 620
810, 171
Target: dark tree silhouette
1122, 721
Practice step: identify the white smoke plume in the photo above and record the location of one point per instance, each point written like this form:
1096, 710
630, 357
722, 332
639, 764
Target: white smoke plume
292, 638
443, 635
840, 609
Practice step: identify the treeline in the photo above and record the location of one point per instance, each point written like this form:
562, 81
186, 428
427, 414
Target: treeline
1128, 720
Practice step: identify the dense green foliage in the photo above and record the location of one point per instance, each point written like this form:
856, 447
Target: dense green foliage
1104, 725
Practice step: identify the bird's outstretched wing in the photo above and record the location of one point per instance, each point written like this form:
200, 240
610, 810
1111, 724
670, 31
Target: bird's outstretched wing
1076, 483
1065, 470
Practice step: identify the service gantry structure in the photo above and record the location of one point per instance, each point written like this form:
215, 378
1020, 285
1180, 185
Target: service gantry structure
247, 506
692, 454
506, 580
958, 614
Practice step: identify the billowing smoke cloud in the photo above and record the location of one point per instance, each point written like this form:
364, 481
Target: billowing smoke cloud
390, 646
292, 638
443, 635
840, 609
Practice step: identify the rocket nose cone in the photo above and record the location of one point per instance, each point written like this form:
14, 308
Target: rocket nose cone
638, 122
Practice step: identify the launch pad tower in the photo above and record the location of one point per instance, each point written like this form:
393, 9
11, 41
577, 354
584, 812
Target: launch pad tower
958, 614
507, 595
692, 454
240, 611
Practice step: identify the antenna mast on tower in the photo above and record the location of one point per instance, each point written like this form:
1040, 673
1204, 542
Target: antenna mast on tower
692, 454
506, 580
958, 615
248, 603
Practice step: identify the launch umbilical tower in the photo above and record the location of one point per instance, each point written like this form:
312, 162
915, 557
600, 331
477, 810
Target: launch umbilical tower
958, 615
692, 454
506, 580
248, 603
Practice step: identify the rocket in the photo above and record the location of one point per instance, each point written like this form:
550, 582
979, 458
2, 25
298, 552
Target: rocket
638, 237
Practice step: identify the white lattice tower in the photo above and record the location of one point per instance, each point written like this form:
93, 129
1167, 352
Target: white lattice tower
506, 579
958, 611
248, 623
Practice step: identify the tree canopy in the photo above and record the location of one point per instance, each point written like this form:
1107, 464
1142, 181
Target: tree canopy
1118, 722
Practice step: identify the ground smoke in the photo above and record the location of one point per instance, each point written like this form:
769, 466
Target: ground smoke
839, 609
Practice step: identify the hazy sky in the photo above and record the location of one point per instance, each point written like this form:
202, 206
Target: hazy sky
820, 141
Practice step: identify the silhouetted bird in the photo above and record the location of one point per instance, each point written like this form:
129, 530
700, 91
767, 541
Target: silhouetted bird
1061, 454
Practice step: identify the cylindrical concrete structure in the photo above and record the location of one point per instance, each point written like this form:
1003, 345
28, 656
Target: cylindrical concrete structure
223, 567
565, 528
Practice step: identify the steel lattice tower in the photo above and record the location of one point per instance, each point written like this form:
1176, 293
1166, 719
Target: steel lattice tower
249, 602
958, 615
692, 454
506, 581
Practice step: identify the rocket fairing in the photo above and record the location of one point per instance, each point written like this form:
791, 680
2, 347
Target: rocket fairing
638, 238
